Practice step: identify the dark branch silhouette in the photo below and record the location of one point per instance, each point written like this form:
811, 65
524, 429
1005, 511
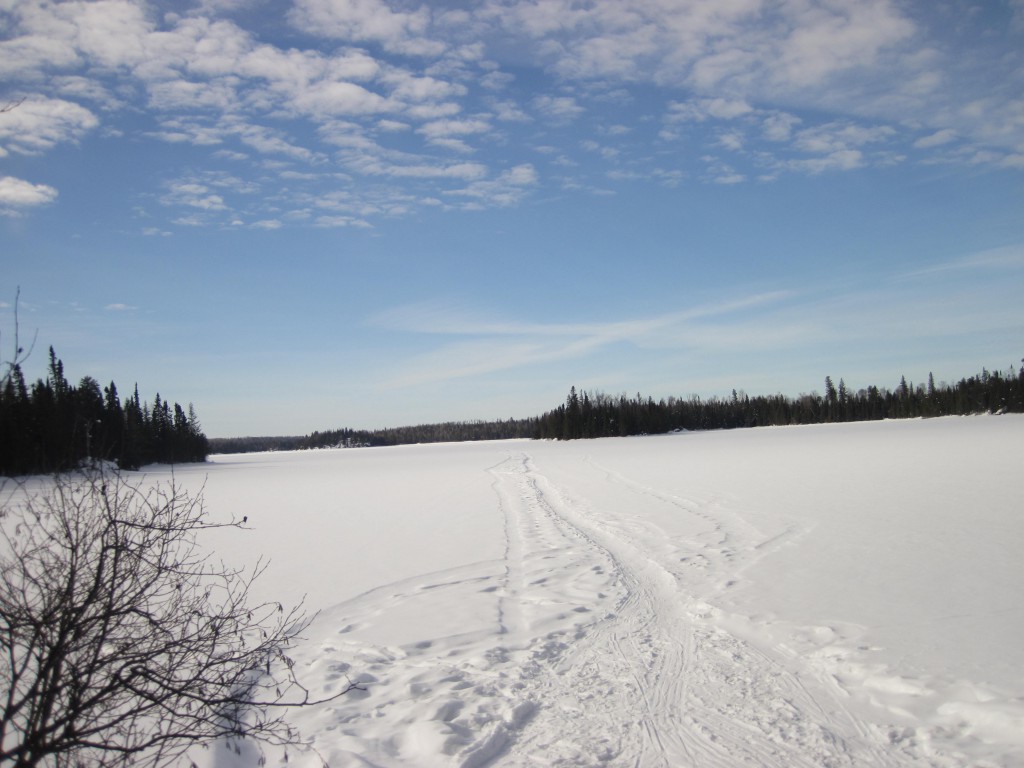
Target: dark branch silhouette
122, 642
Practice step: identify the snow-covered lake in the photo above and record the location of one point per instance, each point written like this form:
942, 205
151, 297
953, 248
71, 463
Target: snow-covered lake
802, 596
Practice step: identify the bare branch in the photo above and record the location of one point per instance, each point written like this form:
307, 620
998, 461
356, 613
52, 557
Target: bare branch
20, 354
121, 641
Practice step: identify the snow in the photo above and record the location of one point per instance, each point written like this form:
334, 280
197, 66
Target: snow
799, 596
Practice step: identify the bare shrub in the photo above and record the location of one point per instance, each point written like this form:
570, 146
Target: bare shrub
122, 641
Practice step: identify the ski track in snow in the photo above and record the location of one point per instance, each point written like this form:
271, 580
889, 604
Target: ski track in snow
592, 644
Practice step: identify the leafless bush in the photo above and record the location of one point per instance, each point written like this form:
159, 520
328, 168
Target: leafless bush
122, 642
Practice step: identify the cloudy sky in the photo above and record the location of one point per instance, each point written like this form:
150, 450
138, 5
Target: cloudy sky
320, 213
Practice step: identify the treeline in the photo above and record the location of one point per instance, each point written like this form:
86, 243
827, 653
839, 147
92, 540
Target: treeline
447, 432
587, 414
255, 444
598, 415
52, 426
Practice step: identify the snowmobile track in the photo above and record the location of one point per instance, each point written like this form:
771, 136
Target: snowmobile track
650, 676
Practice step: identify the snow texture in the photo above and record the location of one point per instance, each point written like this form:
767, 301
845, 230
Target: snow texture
833, 595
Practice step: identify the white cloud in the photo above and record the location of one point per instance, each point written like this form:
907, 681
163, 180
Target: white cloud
669, 177
872, 60
228, 154
37, 125
618, 53
561, 108
835, 145
707, 44
177, 131
334, 222
27, 54
699, 110
731, 140
831, 38
483, 345
779, 126
1008, 257
726, 109
839, 160
392, 126
193, 194
509, 112
106, 34
937, 139
372, 166
78, 87
408, 87
174, 95
744, 68
269, 142
433, 111
331, 98
444, 129
521, 175
507, 189
496, 81
452, 144
18, 193
192, 220
368, 21
838, 137
722, 173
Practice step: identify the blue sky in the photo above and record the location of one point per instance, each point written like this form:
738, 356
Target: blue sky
321, 213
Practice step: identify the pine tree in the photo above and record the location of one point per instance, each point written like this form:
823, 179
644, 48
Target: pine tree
831, 399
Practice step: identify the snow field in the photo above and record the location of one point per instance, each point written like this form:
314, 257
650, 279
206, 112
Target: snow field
806, 596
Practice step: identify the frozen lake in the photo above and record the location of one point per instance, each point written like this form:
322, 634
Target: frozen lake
825, 595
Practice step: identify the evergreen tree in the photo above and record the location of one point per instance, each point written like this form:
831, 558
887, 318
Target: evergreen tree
54, 426
831, 399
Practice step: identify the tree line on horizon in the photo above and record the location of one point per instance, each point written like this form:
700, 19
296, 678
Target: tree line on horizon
594, 414
51, 425
445, 432
598, 415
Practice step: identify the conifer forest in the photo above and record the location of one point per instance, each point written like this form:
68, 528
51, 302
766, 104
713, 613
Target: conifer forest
52, 425
594, 414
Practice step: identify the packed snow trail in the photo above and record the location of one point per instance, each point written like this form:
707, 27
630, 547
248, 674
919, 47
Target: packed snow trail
651, 680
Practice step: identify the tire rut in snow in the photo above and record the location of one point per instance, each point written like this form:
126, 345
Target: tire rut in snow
610, 684
646, 678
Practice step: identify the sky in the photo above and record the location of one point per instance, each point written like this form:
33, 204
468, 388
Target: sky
322, 213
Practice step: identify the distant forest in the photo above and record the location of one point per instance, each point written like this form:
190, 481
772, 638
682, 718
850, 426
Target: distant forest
52, 426
597, 415
447, 432
594, 414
